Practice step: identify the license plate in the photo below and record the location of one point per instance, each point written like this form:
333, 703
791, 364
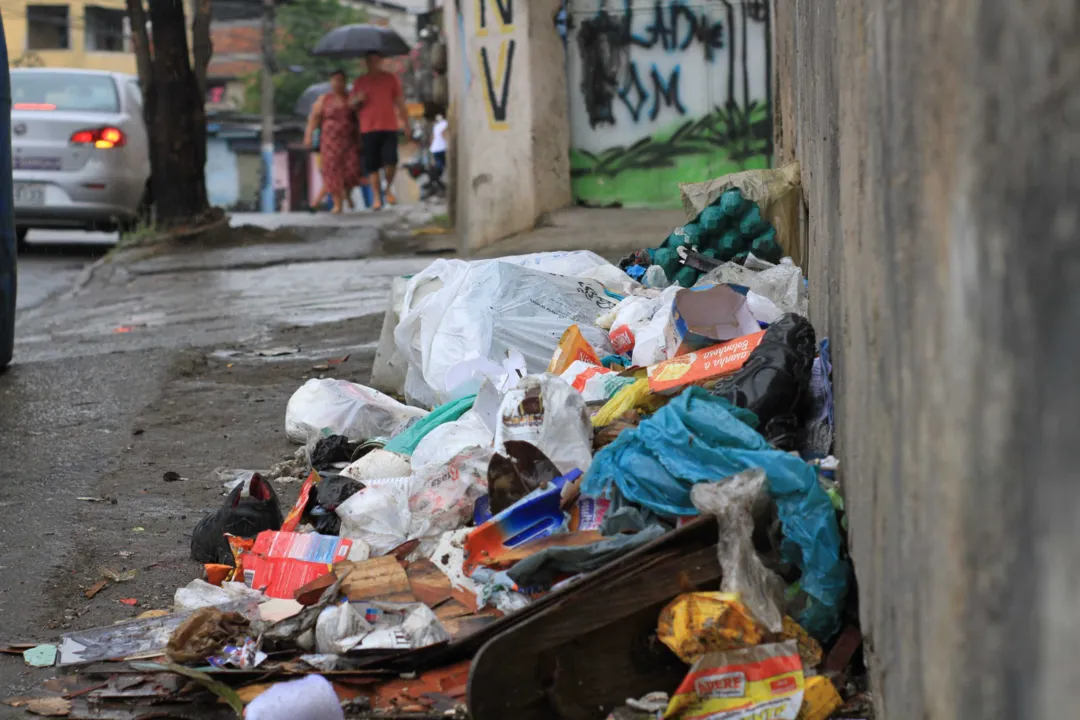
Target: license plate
37, 163
26, 194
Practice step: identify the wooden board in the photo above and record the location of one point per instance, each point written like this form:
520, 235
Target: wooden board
584, 654
380, 578
429, 584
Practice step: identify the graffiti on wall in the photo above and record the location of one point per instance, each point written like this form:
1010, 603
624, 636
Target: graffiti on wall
666, 91
496, 60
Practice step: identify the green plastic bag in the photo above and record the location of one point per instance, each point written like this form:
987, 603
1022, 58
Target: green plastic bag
712, 220
668, 260
731, 242
766, 247
732, 203
406, 441
751, 225
687, 276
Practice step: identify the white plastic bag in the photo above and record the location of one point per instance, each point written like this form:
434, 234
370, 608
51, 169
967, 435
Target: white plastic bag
545, 411
344, 408
434, 499
449, 439
309, 698
486, 309
379, 464
340, 628
595, 383
632, 315
649, 342
199, 594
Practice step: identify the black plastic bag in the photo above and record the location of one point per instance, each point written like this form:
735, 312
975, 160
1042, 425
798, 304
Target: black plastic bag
250, 508
774, 383
330, 450
333, 490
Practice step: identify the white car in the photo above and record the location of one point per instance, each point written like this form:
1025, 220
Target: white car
80, 153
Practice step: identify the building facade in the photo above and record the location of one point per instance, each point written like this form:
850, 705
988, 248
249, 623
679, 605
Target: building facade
93, 34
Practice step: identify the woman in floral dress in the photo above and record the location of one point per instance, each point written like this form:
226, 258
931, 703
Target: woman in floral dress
339, 140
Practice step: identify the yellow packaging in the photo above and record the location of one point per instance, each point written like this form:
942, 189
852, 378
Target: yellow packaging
694, 624
572, 346
809, 649
820, 699
763, 682
635, 396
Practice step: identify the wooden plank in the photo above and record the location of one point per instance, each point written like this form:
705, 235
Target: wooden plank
572, 660
429, 584
380, 578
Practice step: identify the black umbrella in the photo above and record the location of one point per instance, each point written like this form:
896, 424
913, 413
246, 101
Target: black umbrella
353, 41
307, 99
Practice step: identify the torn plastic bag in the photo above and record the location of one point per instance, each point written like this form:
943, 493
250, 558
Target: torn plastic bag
407, 440
401, 626
249, 509
340, 628
700, 438
485, 309
816, 437
784, 286
344, 408
546, 412
199, 594
732, 502
650, 342
774, 383
436, 498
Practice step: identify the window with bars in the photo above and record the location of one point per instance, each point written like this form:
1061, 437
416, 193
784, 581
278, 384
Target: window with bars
48, 27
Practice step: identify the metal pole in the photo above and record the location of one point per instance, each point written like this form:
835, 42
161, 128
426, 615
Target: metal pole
267, 198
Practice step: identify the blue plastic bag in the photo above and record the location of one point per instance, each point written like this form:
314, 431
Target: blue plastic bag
700, 438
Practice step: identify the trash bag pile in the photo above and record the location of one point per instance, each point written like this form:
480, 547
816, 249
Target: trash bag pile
578, 454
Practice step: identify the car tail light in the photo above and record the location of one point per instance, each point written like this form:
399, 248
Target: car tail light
102, 138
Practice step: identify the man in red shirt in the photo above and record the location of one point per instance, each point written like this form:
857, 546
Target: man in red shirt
382, 112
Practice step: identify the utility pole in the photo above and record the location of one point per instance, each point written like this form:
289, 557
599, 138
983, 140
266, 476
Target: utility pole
268, 28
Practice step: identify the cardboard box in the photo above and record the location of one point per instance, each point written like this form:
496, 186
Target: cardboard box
703, 316
702, 365
281, 562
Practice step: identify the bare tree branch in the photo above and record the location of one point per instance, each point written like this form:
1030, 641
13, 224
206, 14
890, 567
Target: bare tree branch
202, 45
141, 42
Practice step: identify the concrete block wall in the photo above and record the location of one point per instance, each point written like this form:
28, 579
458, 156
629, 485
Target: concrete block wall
940, 150
510, 155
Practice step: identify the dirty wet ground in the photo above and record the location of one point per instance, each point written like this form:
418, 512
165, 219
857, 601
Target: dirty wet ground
136, 375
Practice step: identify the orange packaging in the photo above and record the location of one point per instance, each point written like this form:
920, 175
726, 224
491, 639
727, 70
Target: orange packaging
217, 574
572, 346
702, 365
292, 520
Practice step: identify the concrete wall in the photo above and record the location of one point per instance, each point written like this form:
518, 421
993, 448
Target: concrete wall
510, 156
77, 55
663, 92
940, 147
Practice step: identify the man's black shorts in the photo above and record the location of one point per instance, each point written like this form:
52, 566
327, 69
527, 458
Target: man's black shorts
379, 151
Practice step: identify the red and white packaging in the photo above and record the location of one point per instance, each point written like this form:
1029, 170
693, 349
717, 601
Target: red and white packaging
282, 562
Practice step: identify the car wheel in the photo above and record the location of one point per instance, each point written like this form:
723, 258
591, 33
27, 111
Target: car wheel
20, 239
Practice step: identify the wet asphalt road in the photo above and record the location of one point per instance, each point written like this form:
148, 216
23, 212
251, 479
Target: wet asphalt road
139, 374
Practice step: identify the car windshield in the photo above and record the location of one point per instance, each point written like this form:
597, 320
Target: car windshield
83, 92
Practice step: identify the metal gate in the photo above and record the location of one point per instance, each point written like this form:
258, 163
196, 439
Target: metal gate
663, 92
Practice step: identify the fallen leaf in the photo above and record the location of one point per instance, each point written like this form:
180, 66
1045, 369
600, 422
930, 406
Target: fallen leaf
132, 602
95, 589
320, 368
138, 529
118, 577
49, 707
336, 361
152, 614
124, 329
92, 499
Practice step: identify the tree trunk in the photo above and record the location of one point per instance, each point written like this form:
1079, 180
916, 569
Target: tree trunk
178, 124
145, 64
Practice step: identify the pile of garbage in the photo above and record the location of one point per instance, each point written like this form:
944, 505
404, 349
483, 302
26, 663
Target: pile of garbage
592, 495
